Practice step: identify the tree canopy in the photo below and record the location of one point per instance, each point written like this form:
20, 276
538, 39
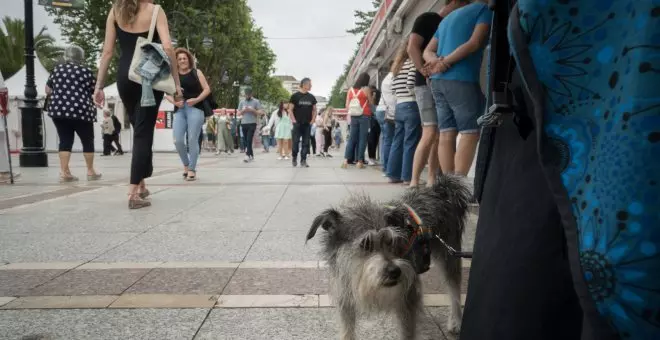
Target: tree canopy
12, 47
222, 36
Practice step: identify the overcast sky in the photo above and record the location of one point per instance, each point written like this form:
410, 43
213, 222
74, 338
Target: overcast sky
321, 60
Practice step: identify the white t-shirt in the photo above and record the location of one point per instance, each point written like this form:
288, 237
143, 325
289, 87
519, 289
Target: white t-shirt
388, 98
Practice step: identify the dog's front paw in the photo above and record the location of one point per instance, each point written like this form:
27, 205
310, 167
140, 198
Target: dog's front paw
454, 325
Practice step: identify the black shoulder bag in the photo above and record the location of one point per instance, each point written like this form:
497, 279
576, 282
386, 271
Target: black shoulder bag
207, 102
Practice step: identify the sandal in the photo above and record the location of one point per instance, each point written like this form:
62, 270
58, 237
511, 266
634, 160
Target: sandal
344, 165
193, 177
94, 177
360, 165
144, 194
135, 202
68, 179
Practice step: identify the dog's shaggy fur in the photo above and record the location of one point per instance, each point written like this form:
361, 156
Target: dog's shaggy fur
363, 244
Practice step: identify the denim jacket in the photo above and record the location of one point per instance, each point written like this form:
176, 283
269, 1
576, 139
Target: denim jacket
154, 65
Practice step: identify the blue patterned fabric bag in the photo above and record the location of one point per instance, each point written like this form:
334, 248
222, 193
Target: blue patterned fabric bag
592, 69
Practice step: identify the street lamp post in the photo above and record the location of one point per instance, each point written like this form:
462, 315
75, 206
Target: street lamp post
33, 153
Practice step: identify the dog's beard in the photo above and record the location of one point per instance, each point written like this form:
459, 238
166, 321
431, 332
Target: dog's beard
374, 291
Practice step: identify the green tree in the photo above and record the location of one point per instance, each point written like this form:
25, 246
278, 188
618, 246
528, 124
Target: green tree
362, 24
12, 47
221, 34
363, 19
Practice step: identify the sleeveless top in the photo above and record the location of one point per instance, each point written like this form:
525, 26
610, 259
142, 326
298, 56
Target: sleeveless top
127, 41
191, 87
362, 97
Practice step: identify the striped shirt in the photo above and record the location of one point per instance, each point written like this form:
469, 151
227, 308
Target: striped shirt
404, 83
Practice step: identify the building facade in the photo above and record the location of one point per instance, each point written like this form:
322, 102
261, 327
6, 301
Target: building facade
290, 83
391, 26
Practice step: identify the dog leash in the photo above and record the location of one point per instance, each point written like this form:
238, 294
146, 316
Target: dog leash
450, 250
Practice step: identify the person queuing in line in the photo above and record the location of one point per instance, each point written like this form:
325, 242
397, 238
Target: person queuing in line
189, 114
116, 136
327, 131
407, 123
385, 116
374, 129
302, 110
128, 20
250, 109
107, 130
225, 141
70, 87
281, 123
423, 30
358, 102
454, 57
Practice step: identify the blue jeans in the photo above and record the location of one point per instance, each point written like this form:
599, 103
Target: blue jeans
386, 136
359, 133
407, 131
265, 141
188, 122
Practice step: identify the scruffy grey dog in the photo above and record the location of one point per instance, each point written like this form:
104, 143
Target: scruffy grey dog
364, 247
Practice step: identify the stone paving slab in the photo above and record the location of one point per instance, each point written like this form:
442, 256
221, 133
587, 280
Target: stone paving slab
90, 282
19, 282
57, 247
183, 281
303, 324
189, 246
284, 246
61, 302
107, 324
278, 282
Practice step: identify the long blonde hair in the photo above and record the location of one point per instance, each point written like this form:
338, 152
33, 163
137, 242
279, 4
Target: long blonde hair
401, 57
126, 10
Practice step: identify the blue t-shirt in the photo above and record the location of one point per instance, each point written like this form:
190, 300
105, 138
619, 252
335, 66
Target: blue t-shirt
249, 117
454, 31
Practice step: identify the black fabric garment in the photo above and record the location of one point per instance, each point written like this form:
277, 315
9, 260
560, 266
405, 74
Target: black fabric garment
143, 119
72, 88
425, 26
520, 281
303, 106
115, 139
327, 139
191, 87
373, 138
248, 134
107, 145
67, 128
116, 123
300, 130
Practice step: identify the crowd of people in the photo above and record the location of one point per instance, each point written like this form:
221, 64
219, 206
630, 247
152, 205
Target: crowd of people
430, 96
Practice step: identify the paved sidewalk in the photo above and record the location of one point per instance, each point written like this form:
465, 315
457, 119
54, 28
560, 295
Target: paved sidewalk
220, 258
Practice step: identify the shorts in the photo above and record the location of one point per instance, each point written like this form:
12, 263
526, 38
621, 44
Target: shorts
210, 136
427, 112
458, 104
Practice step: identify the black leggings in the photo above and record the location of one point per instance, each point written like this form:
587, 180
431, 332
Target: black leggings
327, 134
143, 120
66, 128
373, 138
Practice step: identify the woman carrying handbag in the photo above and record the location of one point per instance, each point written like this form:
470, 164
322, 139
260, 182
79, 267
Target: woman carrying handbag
129, 21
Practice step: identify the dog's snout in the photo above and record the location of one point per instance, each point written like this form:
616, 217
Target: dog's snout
393, 272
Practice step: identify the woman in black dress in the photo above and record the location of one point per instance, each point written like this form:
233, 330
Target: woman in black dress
128, 20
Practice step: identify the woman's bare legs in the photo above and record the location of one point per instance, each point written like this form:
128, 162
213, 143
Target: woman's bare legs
425, 146
65, 157
280, 148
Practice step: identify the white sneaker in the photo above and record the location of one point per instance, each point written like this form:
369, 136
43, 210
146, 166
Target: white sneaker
280, 158
287, 157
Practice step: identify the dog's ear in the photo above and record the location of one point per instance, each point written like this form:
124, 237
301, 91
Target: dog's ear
327, 220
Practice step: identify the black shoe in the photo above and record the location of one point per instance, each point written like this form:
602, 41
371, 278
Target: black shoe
304, 164
294, 162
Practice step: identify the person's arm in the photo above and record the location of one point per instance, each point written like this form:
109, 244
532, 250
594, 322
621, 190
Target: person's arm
106, 57
290, 108
411, 78
415, 53
477, 41
206, 90
259, 109
163, 29
430, 52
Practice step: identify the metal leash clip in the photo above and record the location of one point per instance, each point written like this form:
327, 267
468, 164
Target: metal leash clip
454, 252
